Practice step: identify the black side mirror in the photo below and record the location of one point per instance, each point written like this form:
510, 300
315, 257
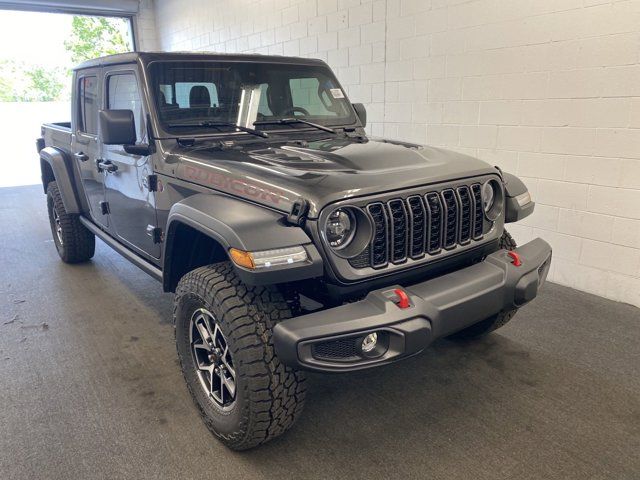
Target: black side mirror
361, 112
117, 127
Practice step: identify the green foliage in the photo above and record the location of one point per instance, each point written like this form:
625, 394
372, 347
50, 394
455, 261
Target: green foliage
93, 37
45, 85
31, 83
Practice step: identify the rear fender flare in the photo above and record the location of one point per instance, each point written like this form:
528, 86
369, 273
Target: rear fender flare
61, 168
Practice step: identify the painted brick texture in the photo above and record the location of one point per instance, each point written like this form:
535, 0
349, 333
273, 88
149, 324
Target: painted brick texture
546, 89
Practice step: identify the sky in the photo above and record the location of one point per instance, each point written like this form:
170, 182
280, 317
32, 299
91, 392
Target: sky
34, 38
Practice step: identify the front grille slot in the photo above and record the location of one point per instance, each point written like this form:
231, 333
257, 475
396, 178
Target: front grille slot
419, 225
379, 243
435, 227
478, 215
466, 219
398, 216
450, 237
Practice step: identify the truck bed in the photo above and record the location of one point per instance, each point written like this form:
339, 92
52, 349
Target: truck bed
57, 134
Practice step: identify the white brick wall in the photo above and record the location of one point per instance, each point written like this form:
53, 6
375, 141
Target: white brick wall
146, 30
547, 89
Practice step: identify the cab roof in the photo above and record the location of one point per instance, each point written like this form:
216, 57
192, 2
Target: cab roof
147, 57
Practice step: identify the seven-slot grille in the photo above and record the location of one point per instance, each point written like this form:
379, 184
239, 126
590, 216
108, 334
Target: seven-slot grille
422, 225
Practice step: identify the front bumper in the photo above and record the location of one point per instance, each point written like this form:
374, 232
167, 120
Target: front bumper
329, 340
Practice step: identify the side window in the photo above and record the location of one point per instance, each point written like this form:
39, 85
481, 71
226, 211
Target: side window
88, 105
305, 94
123, 94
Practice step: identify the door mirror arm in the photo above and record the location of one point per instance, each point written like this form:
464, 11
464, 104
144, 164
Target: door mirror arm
142, 149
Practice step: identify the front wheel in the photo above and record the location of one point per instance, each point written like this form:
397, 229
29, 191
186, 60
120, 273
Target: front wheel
224, 341
500, 319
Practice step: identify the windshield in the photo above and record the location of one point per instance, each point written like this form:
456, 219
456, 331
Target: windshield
191, 96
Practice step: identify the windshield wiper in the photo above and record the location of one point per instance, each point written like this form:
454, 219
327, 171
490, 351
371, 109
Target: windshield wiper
217, 125
288, 121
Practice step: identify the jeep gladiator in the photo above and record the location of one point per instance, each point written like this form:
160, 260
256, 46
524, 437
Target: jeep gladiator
292, 240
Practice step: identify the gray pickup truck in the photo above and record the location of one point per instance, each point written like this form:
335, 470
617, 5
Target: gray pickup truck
293, 241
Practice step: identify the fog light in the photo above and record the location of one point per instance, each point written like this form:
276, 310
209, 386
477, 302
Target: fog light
369, 342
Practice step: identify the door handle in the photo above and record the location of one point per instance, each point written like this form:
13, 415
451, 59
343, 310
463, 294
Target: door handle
81, 156
106, 166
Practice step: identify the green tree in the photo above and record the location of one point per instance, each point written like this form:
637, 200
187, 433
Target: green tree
93, 37
44, 84
7, 88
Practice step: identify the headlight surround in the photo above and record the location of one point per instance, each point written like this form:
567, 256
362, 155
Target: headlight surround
346, 230
492, 199
340, 228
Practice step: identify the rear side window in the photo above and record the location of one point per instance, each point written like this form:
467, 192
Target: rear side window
88, 105
123, 94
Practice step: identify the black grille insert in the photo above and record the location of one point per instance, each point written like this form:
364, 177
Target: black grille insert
466, 219
398, 216
417, 226
450, 202
435, 227
341, 349
478, 214
379, 253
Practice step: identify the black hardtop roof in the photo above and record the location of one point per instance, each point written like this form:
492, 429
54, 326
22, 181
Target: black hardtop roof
147, 57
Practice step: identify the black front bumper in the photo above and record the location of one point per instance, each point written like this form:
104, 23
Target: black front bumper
329, 340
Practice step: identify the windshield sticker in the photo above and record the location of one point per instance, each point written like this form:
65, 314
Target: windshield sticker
337, 93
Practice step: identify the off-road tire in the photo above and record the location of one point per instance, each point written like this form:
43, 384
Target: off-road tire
269, 395
74, 242
487, 326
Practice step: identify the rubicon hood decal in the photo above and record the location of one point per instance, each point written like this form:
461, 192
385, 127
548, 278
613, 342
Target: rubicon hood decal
276, 174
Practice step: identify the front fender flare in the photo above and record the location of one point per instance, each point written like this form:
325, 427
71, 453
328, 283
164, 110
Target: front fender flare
239, 224
60, 166
513, 187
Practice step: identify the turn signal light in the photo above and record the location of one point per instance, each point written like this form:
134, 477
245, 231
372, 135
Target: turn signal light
242, 258
268, 258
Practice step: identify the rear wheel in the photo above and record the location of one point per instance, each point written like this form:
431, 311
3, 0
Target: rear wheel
73, 241
487, 326
245, 395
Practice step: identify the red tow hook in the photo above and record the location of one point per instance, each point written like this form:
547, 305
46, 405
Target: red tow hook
403, 301
516, 258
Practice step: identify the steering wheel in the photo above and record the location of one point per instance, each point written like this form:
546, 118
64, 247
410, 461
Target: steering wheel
293, 110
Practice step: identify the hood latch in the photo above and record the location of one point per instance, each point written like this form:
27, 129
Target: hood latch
298, 213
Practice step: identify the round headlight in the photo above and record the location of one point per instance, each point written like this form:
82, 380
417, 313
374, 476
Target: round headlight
488, 195
492, 199
340, 228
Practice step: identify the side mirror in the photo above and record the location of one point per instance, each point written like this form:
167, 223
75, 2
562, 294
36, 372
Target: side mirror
117, 127
361, 112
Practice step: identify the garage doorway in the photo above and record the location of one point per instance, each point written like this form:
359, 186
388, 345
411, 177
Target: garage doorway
38, 49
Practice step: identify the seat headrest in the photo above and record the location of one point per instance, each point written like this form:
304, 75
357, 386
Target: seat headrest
199, 97
163, 99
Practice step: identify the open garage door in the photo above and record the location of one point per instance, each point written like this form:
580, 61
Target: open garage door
125, 8
35, 82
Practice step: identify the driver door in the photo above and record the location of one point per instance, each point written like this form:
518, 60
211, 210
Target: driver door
131, 203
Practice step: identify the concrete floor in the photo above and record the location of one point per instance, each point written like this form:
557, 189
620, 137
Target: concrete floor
90, 387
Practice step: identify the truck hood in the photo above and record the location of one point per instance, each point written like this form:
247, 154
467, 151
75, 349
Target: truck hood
322, 172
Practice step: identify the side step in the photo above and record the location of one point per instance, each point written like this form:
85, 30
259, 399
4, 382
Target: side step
133, 257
